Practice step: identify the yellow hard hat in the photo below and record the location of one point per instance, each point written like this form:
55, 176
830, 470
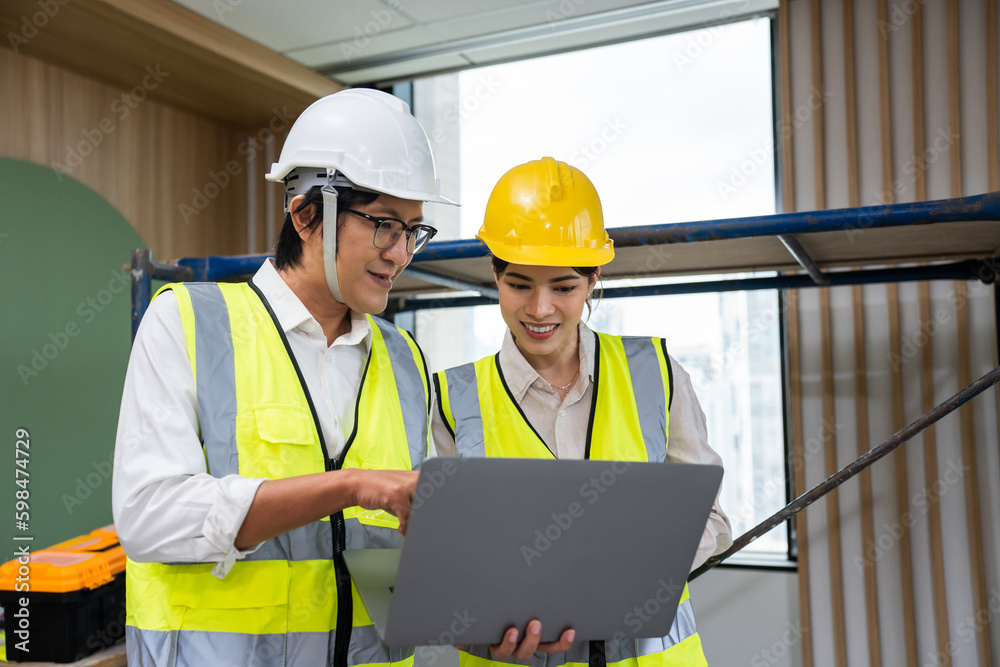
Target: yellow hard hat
546, 213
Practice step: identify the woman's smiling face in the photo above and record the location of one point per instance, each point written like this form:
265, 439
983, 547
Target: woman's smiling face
542, 306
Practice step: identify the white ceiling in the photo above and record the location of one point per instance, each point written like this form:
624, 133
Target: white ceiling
380, 41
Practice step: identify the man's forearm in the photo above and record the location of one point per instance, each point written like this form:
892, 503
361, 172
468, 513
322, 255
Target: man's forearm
282, 505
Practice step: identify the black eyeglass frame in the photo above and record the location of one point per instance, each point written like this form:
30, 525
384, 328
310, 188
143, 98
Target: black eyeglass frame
408, 230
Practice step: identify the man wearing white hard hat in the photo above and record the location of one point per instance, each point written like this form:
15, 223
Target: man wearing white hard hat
267, 426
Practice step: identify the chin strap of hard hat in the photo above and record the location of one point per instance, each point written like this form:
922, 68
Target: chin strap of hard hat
330, 238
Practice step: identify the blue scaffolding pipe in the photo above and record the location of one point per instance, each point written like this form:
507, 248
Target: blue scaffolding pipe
978, 207
962, 209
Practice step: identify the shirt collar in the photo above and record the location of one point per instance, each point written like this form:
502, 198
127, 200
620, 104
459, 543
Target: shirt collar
519, 374
292, 314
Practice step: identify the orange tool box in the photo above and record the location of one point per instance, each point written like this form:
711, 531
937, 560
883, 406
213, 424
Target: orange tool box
65, 602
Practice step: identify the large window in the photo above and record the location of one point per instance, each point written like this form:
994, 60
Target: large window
669, 129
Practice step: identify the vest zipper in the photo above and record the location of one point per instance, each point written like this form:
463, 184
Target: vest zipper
345, 601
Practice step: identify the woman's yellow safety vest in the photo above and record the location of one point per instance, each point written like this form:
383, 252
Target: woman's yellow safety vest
291, 602
629, 421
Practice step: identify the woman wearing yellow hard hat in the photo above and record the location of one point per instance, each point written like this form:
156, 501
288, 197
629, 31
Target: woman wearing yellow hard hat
557, 389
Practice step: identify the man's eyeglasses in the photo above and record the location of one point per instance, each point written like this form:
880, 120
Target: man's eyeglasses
388, 231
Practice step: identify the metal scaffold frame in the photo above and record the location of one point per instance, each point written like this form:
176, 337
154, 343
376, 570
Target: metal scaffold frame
952, 239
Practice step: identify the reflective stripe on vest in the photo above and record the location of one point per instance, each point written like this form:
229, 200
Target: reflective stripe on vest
265, 650
256, 421
635, 368
629, 422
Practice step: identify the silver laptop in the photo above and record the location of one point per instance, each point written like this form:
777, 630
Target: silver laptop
602, 547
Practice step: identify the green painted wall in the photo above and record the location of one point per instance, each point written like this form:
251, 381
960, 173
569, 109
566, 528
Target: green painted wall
66, 335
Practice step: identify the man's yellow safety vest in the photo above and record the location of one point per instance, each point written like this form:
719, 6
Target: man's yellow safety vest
629, 421
291, 602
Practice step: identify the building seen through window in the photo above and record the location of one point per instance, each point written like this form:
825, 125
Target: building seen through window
668, 133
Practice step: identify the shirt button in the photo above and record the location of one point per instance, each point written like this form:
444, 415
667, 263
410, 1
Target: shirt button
562, 413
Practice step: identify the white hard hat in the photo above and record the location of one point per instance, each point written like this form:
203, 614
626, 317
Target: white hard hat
370, 138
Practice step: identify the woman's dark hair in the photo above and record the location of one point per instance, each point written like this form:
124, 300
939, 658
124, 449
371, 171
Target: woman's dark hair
499, 266
288, 253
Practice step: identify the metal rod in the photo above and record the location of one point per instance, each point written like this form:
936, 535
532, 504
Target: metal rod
852, 469
171, 272
454, 283
796, 250
144, 270
996, 315
142, 286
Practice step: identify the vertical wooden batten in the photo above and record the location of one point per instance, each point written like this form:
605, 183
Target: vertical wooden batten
850, 102
864, 478
833, 498
799, 472
931, 479
819, 126
860, 363
785, 69
917, 39
971, 478
794, 346
954, 99
966, 412
992, 138
902, 486
885, 105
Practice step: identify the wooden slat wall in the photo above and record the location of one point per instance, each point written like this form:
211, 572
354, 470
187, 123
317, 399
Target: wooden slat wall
155, 161
924, 572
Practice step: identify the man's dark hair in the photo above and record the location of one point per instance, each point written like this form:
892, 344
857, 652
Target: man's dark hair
288, 253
